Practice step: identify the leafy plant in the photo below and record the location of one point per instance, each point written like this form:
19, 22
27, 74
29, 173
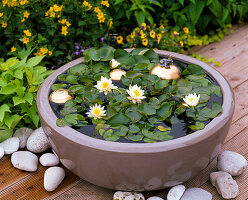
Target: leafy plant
151, 119
203, 15
20, 79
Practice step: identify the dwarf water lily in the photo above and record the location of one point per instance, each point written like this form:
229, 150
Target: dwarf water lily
96, 112
191, 100
105, 85
114, 63
136, 94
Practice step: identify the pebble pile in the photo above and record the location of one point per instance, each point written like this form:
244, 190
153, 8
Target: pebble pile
36, 142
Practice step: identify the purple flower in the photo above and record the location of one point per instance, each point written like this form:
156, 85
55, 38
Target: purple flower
75, 43
142, 27
76, 53
102, 39
77, 47
82, 50
139, 34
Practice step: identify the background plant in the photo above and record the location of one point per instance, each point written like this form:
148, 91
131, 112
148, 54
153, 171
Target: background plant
52, 27
20, 78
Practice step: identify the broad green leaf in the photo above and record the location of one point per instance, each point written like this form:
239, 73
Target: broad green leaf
5, 133
161, 84
62, 122
197, 126
133, 114
194, 11
92, 54
119, 118
3, 108
34, 61
58, 86
193, 69
164, 111
135, 136
78, 70
106, 53
147, 109
12, 121
133, 74
122, 131
133, 129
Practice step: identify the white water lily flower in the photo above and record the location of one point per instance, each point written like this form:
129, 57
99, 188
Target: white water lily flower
136, 94
191, 100
96, 112
105, 85
114, 63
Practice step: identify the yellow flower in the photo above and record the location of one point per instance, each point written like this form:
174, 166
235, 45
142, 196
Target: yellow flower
13, 49
23, 20
143, 25
105, 3
26, 14
143, 35
97, 9
1, 14
159, 36
181, 44
145, 42
110, 23
186, 30
152, 34
4, 24
68, 24
132, 34
50, 53
175, 33
127, 38
64, 30
23, 2
25, 40
85, 3
119, 40
43, 50
27, 33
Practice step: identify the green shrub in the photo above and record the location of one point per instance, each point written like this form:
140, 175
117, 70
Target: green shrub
52, 26
20, 78
203, 15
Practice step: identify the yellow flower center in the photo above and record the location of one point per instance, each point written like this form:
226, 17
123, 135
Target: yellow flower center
137, 93
191, 99
105, 85
96, 111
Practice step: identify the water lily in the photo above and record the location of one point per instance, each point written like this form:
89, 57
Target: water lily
105, 85
191, 100
96, 112
113, 64
136, 94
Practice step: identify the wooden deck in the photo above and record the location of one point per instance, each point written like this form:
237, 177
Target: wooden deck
232, 52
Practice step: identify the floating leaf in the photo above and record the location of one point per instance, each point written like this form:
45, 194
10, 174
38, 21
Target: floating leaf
164, 111
197, 126
119, 118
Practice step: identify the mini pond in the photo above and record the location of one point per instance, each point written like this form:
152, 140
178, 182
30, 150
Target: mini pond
140, 123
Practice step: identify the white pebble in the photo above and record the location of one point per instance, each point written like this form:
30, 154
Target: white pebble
155, 198
196, 194
53, 177
49, 159
176, 192
232, 163
227, 187
215, 175
1, 152
23, 135
10, 145
24, 160
38, 142
128, 196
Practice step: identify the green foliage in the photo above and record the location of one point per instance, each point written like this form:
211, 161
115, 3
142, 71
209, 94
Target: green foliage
203, 15
53, 26
19, 82
143, 121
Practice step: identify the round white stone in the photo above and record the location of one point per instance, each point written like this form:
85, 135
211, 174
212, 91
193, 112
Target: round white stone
10, 145
53, 177
215, 175
176, 192
196, 194
23, 135
1, 152
24, 160
49, 159
232, 163
38, 142
128, 196
155, 198
227, 187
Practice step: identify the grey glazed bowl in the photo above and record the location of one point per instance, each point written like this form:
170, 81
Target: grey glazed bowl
137, 166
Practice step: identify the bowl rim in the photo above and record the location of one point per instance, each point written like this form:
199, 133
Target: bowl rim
46, 113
